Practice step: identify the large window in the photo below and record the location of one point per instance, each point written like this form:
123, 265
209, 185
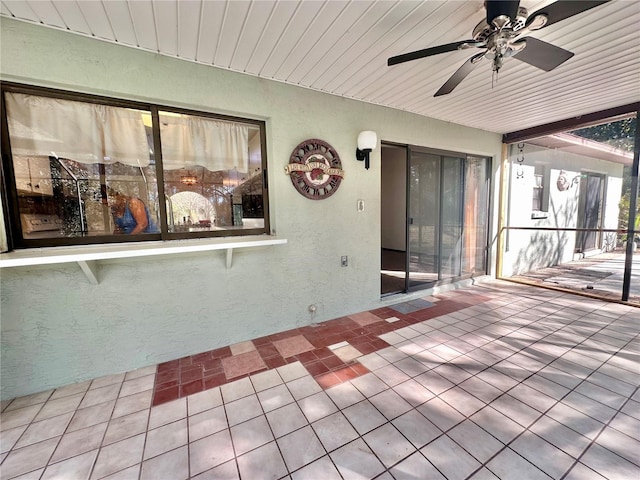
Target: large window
82, 169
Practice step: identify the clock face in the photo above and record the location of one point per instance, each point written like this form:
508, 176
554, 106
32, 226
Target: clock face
315, 169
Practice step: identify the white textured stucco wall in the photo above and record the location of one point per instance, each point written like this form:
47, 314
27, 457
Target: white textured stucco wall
57, 328
528, 250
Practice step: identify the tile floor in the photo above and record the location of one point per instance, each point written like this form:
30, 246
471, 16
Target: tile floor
495, 381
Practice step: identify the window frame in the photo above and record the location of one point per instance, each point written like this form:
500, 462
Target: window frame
10, 198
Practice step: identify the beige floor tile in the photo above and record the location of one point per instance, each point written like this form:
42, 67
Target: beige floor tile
107, 380
72, 389
133, 403
450, 459
242, 410
475, 440
414, 467
16, 418
207, 423
59, 406
275, 397
303, 387
334, 431
300, 448
265, 380
80, 441
29, 458
75, 468
118, 456
344, 395
127, 426
87, 417
286, 419
209, 452
322, 468
291, 346
205, 400
441, 414
356, 461
388, 444
100, 395
292, 371
390, 404
172, 465
45, 429
265, 462
8, 438
417, 429
168, 413
165, 438
29, 400
364, 417
250, 435
137, 385
235, 390
141, 372
226, 471
317, 406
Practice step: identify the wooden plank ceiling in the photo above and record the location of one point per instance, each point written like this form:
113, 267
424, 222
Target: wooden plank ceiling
341, 47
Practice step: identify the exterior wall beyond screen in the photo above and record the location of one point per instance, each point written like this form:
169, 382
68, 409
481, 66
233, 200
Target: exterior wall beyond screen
530, 249
57, 328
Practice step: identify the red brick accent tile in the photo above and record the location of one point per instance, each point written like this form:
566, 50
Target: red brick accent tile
333, 362
167, 376
167, 384
243, 364
317, 368
346, 373
323, 352
212, 365
291, 346
275, 362
191, 387
221, 352
327, 380
261, 341
307, 357
187, 376
172, 365
214, 380
166, 395
268, 350
201, 357
283, 335
359, 369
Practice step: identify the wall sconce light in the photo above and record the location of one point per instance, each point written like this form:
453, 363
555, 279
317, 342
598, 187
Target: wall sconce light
367, 141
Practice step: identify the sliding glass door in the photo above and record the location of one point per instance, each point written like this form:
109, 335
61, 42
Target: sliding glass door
447, 217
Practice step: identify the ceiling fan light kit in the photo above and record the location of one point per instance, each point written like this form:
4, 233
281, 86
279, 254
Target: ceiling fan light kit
503, 34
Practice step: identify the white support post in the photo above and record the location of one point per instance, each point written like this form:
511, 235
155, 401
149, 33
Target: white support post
229, 257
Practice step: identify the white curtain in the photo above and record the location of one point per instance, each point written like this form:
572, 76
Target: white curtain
83, 132
188, 141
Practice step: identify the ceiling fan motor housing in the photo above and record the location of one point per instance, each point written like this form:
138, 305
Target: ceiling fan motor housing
501, 8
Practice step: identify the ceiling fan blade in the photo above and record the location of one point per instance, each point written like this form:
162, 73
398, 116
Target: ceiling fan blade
466, 68
427, 52
542, 55
496, 8
563, 9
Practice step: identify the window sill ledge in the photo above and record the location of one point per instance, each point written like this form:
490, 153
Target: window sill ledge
87, 256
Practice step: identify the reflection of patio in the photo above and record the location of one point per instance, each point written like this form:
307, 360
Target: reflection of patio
600, 275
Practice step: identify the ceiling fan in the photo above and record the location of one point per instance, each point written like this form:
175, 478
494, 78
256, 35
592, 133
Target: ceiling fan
503, 34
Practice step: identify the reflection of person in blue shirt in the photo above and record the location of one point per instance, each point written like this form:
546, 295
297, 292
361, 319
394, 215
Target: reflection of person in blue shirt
131, 215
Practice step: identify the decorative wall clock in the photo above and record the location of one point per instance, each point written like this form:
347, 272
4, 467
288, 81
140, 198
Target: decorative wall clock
315, 169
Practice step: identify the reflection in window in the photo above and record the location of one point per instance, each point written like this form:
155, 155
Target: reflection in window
212, 173
85, 171
68, 156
